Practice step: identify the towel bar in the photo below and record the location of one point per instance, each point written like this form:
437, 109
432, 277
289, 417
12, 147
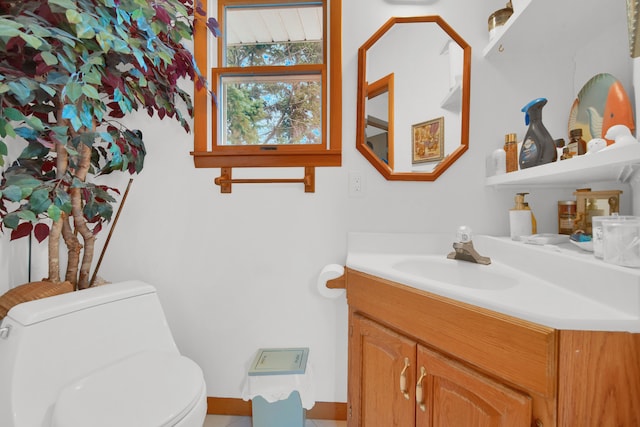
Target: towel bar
225, 181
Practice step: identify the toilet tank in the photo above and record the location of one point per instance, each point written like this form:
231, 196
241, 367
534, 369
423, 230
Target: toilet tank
49, 343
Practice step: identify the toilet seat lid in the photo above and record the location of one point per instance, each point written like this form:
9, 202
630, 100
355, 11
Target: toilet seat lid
150, 389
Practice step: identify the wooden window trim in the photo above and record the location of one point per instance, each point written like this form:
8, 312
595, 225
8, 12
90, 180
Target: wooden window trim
217, 73
207, 155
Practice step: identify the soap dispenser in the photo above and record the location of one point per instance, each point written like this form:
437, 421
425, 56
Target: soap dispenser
521, 218
538, 146
534, 223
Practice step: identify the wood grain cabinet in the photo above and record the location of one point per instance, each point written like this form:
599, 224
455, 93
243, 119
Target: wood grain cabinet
403, 383
418, 359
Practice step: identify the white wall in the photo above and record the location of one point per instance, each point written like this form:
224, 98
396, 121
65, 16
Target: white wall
237, 272
4, 265
14, 255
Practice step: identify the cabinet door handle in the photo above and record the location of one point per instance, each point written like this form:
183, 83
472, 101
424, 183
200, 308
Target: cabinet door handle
403, 379
420, 391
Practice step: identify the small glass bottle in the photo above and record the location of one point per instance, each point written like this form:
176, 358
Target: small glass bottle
499, 161
567, 211
577, 145
560, 147
511, 149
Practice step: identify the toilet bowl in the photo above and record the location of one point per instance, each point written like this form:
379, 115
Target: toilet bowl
146, 389
100, 357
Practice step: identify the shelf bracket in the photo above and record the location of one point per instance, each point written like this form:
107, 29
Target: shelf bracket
225, 180
630, 174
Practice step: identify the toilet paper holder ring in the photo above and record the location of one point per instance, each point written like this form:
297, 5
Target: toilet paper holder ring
332, 281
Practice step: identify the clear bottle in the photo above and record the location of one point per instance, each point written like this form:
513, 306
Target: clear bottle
511, 149
499, 161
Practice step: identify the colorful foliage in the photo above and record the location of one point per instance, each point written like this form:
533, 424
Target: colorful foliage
69, 69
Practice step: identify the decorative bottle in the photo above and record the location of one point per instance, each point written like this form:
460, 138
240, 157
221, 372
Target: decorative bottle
538, 147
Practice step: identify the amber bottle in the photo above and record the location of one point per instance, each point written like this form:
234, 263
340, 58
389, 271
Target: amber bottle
577, 145
511, 149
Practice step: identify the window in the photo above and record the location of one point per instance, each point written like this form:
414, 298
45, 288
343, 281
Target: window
276, 73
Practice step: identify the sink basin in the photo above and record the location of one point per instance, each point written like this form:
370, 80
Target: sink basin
457, 273
558, 286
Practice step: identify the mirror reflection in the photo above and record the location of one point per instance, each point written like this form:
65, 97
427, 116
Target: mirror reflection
413, 101
379, 126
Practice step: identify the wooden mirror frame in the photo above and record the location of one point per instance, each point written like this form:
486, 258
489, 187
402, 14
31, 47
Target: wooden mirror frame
363, 95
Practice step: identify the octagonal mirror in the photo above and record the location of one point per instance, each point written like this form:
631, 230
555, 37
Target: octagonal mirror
413, 98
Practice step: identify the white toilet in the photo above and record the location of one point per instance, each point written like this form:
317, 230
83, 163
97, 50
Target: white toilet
101, 357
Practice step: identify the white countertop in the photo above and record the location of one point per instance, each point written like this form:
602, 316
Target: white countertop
558, 286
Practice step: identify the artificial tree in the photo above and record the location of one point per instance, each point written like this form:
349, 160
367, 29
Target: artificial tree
69, 70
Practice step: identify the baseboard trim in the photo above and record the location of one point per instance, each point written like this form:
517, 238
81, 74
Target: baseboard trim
234, 406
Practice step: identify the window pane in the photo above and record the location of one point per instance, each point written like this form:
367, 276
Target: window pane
284, 35
268, 110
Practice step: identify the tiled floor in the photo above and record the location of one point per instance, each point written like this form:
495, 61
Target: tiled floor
230, 421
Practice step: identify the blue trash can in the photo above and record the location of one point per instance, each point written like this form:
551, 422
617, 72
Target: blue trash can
275, 363
282, 413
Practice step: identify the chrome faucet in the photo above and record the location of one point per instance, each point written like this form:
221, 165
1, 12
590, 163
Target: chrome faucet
464, 250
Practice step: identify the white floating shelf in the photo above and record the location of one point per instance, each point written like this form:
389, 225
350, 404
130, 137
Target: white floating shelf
503, 33
536, 26
453, 100
609, 165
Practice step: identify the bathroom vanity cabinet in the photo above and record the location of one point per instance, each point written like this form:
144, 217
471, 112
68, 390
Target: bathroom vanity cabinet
419, 359
447, 392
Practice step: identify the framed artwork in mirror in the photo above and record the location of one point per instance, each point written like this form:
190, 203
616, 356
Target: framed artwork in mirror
428, 141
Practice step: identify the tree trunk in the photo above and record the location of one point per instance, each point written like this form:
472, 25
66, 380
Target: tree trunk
80, 224
73, 251
62, 161
79, 221
54, 251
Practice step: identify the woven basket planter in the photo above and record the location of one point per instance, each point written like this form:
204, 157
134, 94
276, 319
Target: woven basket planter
31, 291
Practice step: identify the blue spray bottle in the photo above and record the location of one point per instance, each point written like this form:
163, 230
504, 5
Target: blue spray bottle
538, 146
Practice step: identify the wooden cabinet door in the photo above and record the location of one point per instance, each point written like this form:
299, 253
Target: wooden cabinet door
455, 395
379, 358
